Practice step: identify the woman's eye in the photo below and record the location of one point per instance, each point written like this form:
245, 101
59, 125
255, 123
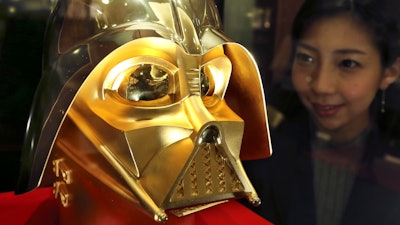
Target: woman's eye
348, 63
303, 58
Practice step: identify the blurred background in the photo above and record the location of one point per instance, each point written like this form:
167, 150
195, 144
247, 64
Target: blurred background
260, 25
22, 25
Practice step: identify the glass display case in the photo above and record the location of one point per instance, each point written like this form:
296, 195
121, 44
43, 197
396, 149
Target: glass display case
369, 163
22, 28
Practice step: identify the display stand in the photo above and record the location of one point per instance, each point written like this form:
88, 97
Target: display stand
39, 207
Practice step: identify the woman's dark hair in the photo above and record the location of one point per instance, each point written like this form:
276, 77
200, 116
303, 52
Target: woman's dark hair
378, 16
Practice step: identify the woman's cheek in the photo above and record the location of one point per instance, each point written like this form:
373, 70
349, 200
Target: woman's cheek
299, 82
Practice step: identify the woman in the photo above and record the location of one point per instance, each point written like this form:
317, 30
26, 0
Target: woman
336, 153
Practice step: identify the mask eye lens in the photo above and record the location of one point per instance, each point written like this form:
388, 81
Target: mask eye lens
206, 82
147, 82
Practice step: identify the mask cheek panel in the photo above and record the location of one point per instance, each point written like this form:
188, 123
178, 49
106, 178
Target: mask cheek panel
245, 96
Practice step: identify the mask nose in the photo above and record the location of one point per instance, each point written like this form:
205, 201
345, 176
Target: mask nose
210, 135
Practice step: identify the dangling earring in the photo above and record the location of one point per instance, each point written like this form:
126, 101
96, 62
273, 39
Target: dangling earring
383, 101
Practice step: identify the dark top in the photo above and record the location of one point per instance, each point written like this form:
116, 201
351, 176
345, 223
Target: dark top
362, 180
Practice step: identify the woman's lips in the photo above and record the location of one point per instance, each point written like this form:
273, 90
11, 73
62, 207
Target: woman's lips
326, 110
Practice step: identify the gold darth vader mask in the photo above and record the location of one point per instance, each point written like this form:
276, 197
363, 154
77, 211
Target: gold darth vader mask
145, 99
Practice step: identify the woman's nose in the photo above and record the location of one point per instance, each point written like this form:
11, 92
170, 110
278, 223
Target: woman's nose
323, 80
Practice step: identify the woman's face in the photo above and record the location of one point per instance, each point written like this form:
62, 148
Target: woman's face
337, 71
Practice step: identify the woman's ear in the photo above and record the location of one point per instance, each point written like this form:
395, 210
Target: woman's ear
390, 74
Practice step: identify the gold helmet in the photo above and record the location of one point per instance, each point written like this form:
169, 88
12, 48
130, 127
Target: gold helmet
147, 100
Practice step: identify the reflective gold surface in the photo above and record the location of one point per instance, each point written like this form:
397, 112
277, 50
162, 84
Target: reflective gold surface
150, 101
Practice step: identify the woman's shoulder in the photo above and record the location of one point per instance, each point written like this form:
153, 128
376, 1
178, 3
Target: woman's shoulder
389, 119
389, 125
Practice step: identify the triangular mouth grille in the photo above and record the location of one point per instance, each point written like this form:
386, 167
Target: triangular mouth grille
209, 175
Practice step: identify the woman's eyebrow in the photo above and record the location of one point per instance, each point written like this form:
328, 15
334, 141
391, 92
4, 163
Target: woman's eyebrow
306, 46
350, 51
342, 51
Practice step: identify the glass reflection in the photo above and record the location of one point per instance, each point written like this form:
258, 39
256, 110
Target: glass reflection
148, 82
